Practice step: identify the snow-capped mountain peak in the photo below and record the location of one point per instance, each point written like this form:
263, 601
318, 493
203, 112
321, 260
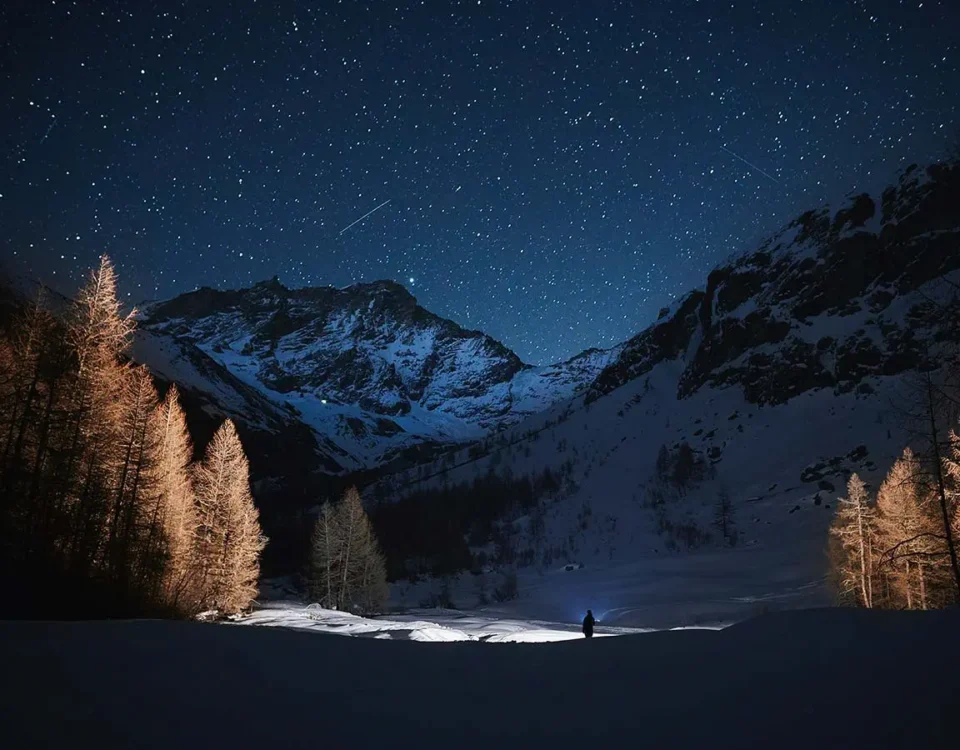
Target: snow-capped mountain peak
365, 366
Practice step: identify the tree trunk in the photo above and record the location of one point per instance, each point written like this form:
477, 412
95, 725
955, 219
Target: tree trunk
74, 450
20, 421
130, 541
327, 561
41, 516
863, 556
117, 538
908, 587
13, 465
942, 491
923, 587
348, 543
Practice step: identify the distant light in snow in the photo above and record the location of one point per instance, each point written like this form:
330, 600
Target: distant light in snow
412, 280
323, 401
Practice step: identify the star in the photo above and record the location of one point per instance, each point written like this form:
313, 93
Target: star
552, 179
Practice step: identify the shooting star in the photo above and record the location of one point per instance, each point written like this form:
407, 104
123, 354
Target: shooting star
48, 131
752, 166
365, 216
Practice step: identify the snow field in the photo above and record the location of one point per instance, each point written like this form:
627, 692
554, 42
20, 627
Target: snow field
828, 678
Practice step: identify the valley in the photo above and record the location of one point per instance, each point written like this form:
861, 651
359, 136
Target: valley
777, 380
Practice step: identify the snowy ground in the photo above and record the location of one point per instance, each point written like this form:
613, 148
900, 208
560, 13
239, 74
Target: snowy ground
710, 588
800, 679
784, 467
420, 625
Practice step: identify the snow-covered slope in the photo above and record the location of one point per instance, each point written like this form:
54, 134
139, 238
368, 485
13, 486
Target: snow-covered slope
279, 443
780, 374
827, 301
366, 367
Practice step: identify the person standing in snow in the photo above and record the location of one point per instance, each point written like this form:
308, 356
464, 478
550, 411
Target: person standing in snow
588, 623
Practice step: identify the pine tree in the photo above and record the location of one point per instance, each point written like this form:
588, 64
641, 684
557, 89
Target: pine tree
723, 519
9, 500
23, 389
930, 403
852, 525
129, 529
366, 580
30, 400
324, 549
347, 569
98, 337
907, 531
951, 470
174, 515
940, 472
96, 503
9, 372
229, 540
45, 432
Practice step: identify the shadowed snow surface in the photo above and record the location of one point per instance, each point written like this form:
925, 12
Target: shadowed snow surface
813, 678
431, 625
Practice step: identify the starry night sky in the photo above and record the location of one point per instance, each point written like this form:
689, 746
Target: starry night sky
556, 171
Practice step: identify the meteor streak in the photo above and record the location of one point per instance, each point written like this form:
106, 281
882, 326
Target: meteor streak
752, 166
365, 215
48, 130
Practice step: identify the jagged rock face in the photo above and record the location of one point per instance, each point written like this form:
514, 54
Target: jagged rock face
668, 338
278, 442
370, 345
830, 301
827, 302
366, 366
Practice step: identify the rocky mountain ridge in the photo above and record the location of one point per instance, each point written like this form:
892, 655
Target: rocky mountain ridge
368, 369
821, 304
829, 301
769, 385
777, 374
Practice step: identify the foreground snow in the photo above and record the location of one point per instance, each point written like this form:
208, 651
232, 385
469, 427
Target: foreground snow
422, 625
802, 679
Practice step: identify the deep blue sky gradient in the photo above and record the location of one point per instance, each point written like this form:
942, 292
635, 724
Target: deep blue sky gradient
556, 171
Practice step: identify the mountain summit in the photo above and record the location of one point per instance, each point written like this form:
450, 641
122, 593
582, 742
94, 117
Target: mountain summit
829, 301
368, 368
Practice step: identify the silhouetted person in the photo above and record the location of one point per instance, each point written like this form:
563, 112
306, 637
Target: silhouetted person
588, 622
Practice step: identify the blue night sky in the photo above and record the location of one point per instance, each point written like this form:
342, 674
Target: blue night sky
556, 171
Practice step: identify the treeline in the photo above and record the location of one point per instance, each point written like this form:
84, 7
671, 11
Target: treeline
102, 512
677, 470
899, 549
431, 531
894, 550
